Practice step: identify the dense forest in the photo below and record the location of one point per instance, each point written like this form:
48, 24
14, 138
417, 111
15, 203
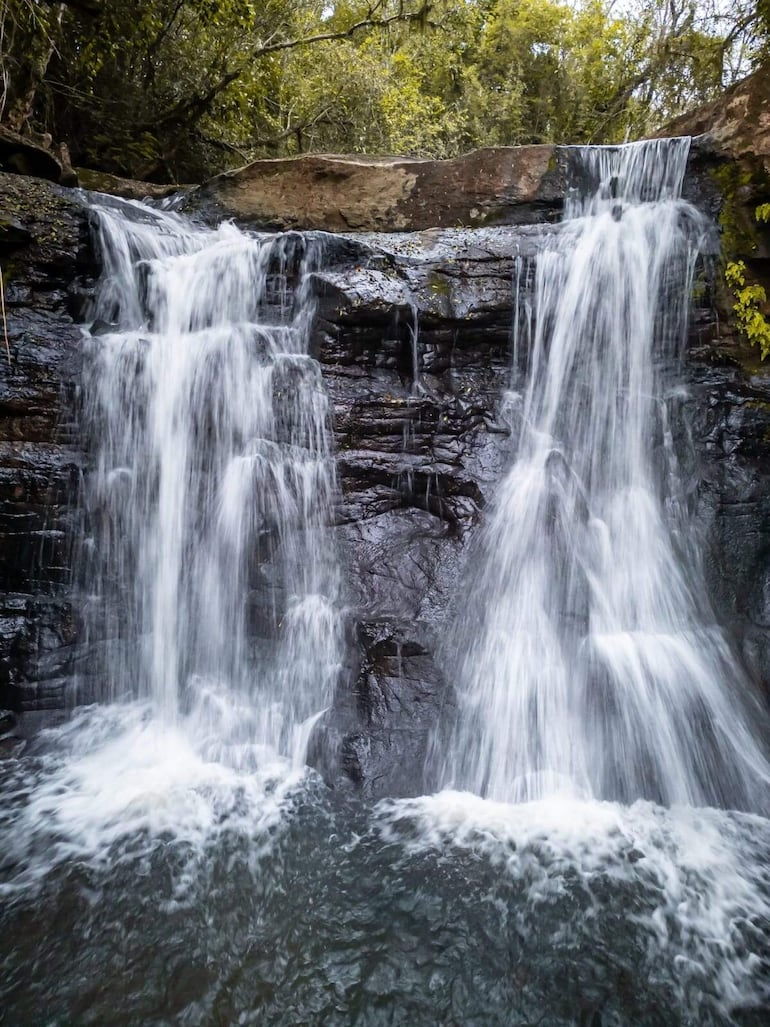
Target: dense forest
178, 89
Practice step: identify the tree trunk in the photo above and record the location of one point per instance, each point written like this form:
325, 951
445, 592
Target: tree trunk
32, 45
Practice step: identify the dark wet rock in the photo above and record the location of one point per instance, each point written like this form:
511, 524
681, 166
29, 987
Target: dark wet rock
729, 413
11, 746
415, 344
377, 735
47, 265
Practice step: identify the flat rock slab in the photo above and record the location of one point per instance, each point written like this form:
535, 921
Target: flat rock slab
501, 185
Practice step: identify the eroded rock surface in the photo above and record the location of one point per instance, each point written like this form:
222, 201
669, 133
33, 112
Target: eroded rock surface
737, 124
47, 262
501, 185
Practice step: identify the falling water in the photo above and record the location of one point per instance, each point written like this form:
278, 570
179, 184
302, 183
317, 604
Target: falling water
414, 334
213, 482
589, 663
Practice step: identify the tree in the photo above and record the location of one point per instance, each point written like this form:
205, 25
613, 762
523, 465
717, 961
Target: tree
182, 88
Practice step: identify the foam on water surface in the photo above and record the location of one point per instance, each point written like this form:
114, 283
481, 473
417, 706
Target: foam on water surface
117, 783
692, 884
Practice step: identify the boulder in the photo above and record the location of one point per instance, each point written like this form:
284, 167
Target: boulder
500, 185
22, 156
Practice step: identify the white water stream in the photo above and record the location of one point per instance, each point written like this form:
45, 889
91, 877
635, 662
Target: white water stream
214, 483
589, 663
210, 582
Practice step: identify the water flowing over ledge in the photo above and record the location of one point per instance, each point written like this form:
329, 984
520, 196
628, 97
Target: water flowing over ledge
214, 480
589, 661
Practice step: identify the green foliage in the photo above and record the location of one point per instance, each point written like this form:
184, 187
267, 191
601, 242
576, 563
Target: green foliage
749, 299
183, 88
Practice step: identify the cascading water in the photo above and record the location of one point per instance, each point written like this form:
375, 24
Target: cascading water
588, 662
214, 482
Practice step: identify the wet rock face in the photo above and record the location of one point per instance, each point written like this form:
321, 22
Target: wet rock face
47, 265
413, 334
729, 414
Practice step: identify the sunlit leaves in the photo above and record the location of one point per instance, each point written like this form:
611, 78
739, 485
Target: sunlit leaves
185, 87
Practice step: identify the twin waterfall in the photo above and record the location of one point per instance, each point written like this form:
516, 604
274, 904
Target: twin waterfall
588, 661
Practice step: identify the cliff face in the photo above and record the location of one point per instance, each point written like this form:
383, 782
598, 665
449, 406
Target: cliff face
47, 261
420, 456
413, 331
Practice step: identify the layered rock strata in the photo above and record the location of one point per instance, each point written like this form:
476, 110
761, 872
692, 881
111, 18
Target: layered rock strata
47, 263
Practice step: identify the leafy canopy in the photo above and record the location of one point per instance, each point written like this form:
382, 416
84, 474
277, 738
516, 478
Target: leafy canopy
182, 88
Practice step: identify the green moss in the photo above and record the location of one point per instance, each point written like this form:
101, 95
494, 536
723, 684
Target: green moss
439, 284
737, 224
750, 361
10, 270
763, 406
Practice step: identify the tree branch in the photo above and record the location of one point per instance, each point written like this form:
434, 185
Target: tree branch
92, 7
191, 110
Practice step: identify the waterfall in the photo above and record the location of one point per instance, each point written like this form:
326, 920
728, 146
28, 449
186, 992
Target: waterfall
208, 567
588, 661
172, 836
